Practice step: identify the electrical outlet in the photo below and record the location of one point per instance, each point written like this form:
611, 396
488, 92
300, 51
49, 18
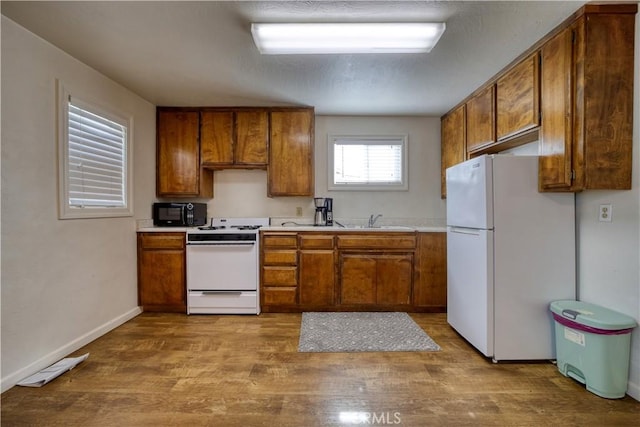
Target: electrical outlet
298, 210
605, 213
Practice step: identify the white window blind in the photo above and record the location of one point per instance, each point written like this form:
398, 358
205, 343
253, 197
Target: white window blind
96, 160
358, 162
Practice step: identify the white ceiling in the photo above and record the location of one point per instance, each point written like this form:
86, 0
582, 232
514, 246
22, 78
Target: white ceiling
201, 53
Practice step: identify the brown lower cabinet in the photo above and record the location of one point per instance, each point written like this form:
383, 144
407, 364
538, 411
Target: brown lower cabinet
279, 270
353, 271
162, 272
317, 270
430, 272
375, 279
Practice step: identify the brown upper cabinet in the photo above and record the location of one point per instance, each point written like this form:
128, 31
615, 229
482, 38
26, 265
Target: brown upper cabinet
178, 170
481, 129
587, 102
572, 93
452, 143
518, 98
290, 170
193, 141
234, 139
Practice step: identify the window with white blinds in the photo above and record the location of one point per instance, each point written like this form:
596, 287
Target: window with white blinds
368, 163
94, 162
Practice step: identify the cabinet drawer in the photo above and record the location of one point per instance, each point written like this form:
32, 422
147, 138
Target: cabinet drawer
288, 257
316, 242
280, 241
377, 242
161, 240
274, 296
279, 276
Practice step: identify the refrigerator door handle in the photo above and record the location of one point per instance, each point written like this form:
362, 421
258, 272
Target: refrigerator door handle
471, 231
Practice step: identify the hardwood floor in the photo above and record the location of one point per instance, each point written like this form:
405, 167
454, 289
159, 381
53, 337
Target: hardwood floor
171, 369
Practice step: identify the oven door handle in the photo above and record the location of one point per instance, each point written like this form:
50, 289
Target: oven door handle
221, 243
221, 292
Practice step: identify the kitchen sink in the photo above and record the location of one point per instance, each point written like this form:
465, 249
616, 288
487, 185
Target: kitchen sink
395, 227
379, 227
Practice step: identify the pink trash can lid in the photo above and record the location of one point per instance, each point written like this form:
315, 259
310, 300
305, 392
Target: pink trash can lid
591, 315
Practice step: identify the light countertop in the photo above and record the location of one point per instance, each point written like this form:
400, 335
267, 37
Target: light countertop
163, 229
389, 228
384, 228
422, 225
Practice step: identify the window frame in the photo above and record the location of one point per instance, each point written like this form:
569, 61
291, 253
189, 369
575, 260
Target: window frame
401, 139
65, 209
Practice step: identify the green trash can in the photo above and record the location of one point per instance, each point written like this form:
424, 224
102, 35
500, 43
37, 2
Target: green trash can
593, 345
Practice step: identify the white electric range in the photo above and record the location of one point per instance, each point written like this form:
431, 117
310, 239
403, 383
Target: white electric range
222, 266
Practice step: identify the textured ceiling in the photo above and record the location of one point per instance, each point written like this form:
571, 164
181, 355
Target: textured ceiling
201, 53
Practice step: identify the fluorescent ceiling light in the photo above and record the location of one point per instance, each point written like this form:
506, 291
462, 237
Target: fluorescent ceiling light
407, 37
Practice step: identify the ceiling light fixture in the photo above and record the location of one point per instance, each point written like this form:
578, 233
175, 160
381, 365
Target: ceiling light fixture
310, 38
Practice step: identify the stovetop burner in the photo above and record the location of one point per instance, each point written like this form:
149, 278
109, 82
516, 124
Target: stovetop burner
222, 225
234, 227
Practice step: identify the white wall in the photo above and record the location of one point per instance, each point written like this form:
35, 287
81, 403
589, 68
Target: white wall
609, 253
421, 202
63, 282
243, 193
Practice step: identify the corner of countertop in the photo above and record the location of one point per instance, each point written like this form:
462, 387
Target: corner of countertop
142, 224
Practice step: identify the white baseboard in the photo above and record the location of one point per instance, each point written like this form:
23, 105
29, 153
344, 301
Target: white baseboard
12, 379
633, 390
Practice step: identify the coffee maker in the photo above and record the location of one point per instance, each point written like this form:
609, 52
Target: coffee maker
324, 211
328, 212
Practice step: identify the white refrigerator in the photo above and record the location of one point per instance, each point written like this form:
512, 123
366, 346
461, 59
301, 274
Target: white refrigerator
510, 252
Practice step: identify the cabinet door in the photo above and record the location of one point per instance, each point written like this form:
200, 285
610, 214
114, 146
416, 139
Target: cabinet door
518, 98
430, 276
317, 277
555, 147
178, 171
394, 279
252, 135
382, 279
290, 170
178, 153
481, 119
161, 272
605, 43
216, 137
452, 142
358, 279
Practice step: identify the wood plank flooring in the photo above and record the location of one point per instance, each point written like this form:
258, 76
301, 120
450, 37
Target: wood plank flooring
172, 369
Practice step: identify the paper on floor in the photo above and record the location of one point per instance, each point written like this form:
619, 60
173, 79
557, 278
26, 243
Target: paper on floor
48, 374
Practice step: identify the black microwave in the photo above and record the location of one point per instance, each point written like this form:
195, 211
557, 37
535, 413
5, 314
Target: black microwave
166, 214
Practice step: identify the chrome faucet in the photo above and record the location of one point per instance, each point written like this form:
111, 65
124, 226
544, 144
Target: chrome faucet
372, 220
